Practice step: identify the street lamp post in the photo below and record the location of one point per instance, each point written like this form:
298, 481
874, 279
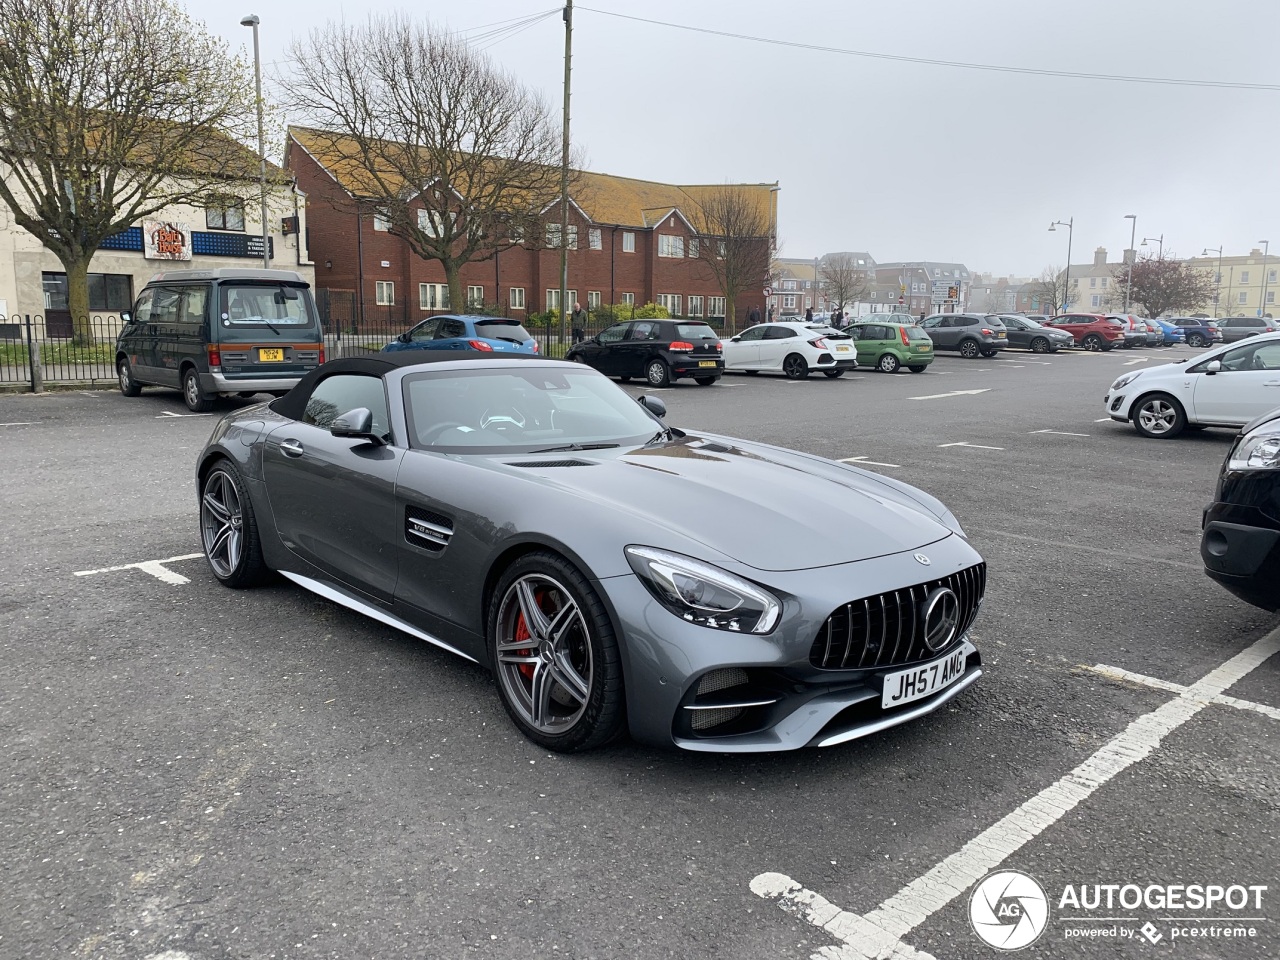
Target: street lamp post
1217, 290
252, 21
1131, 255
1262, 304
1160, 240
1066, 280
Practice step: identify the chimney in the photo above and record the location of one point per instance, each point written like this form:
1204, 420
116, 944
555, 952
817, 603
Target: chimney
1100, 257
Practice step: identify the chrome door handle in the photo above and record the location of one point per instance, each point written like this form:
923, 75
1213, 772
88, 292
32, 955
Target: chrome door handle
291, 448
1272, 383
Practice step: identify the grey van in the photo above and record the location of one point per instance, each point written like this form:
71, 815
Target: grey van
226, 331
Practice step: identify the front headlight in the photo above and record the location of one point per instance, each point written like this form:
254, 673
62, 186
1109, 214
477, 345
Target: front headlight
1126, 379
1259, 450
703, 594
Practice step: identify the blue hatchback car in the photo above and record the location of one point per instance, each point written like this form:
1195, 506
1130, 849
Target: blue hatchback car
1172, 332
465, 332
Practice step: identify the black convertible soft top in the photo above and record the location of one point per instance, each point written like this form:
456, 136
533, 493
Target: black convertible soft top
294, 403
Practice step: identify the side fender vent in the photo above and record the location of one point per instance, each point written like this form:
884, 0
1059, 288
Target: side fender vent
428, 530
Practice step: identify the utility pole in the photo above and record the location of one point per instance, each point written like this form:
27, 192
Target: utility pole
1131, 254
564, 176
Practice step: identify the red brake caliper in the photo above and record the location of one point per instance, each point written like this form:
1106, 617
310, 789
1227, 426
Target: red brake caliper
522, 633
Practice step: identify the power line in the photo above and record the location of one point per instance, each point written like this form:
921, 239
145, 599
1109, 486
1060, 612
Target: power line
995, 67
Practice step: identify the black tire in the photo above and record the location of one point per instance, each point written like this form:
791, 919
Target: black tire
1094, 343
193, 395
581, 704
888, 363
1195, 340
833, 374
624, 379
989, 353
124, 373
247, 394
705, 381
229, 530
752, 373
657, 373
969, 349
916, 368
795, 367
1040, 345
1158, 416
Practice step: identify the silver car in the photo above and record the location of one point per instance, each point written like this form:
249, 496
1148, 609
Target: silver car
615, 574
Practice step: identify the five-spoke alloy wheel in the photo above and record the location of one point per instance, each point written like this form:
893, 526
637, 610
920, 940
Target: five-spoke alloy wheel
1159, 417
228, 531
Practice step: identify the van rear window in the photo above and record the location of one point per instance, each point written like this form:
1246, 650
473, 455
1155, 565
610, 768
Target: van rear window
252, 310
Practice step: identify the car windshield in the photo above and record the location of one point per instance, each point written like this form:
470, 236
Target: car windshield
535, 407
695, 331
500, 328
249, 311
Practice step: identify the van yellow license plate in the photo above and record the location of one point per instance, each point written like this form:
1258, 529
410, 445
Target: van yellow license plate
270, 354
706, 363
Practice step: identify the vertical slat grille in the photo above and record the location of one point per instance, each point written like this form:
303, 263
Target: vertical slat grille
888, 629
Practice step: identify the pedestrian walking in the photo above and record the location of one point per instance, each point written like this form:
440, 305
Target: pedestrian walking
578, 322
808, 314
754, 316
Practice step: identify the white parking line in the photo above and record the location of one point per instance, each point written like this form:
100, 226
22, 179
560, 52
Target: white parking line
864, 462
1116, 673
170, 413
154, 567
20, 423
879, 933
1130, 363
961, 443
1061, 433
1102, 420
953, 393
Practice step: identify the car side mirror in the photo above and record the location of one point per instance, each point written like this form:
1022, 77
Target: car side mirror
356, 424
403, 338
734, 339
126, 317
653, 404
1212, 367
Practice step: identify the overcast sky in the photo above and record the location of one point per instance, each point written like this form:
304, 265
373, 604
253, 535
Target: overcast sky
908, 161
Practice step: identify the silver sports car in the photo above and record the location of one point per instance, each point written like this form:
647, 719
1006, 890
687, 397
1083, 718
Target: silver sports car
615, 574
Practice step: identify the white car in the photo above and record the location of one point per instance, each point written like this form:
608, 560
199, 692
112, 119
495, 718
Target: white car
792, 348
1226, 386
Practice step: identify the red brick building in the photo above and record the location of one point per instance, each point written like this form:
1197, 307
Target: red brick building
630, 241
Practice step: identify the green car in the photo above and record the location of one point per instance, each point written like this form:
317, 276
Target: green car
891, 346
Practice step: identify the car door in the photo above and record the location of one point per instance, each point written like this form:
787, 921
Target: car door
334, 498
421, 337
640, 343
138, 339
778, 341
600, 351
743, 351
165, 311
1019, 332
941, 332
1247, 386
451, 334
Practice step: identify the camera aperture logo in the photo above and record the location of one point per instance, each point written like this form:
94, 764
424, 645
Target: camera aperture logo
1009, 910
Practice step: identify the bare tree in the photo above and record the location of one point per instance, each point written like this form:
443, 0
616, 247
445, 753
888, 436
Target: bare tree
454, 153
111, 111
1163, 285
737, 236
1055, 294
842, 280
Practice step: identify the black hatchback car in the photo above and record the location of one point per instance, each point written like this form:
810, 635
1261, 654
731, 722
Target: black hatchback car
660, 351
1240, 538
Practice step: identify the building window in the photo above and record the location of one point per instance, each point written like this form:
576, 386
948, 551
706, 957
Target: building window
225, 214
715, 306
431, 222
1095, 300
433, 296
384, 293
1271, 296
111, 292
475, 297
721, 249
553, 298
670, 246
593, 239
517, 298
1075, 281
807, 302
1093, 282
553, 236
693, 247
1105, 281
671, 301
593, 299
629, 299
628, 242
380, 223
1242, 297
1244, 278
695, 306
789, 302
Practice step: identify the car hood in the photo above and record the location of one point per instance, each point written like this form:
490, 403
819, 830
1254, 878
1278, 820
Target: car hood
767, 508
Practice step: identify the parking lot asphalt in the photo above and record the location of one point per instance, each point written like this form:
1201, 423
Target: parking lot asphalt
263, 774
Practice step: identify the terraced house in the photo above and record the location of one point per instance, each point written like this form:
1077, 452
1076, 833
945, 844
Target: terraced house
629, 241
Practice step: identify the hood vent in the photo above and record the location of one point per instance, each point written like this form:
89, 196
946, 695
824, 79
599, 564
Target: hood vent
551, 463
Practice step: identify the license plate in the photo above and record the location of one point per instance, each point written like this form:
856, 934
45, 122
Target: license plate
706, 363
842, 349
925, 348
923, 681
1001, 336
270, 354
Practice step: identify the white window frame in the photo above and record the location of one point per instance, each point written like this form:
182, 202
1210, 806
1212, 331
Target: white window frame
715, 306
475, 295
629, 299
789, 301
1095, 300
594, 240
670, 245
593, 299
384, 293
553, 298
695, 306
628, 241
516, 298
1271, 296
1242, 297
433, 296
553, 236
1093, 283
671, 301
1244, 278
432, 224
693, 247
380, 223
